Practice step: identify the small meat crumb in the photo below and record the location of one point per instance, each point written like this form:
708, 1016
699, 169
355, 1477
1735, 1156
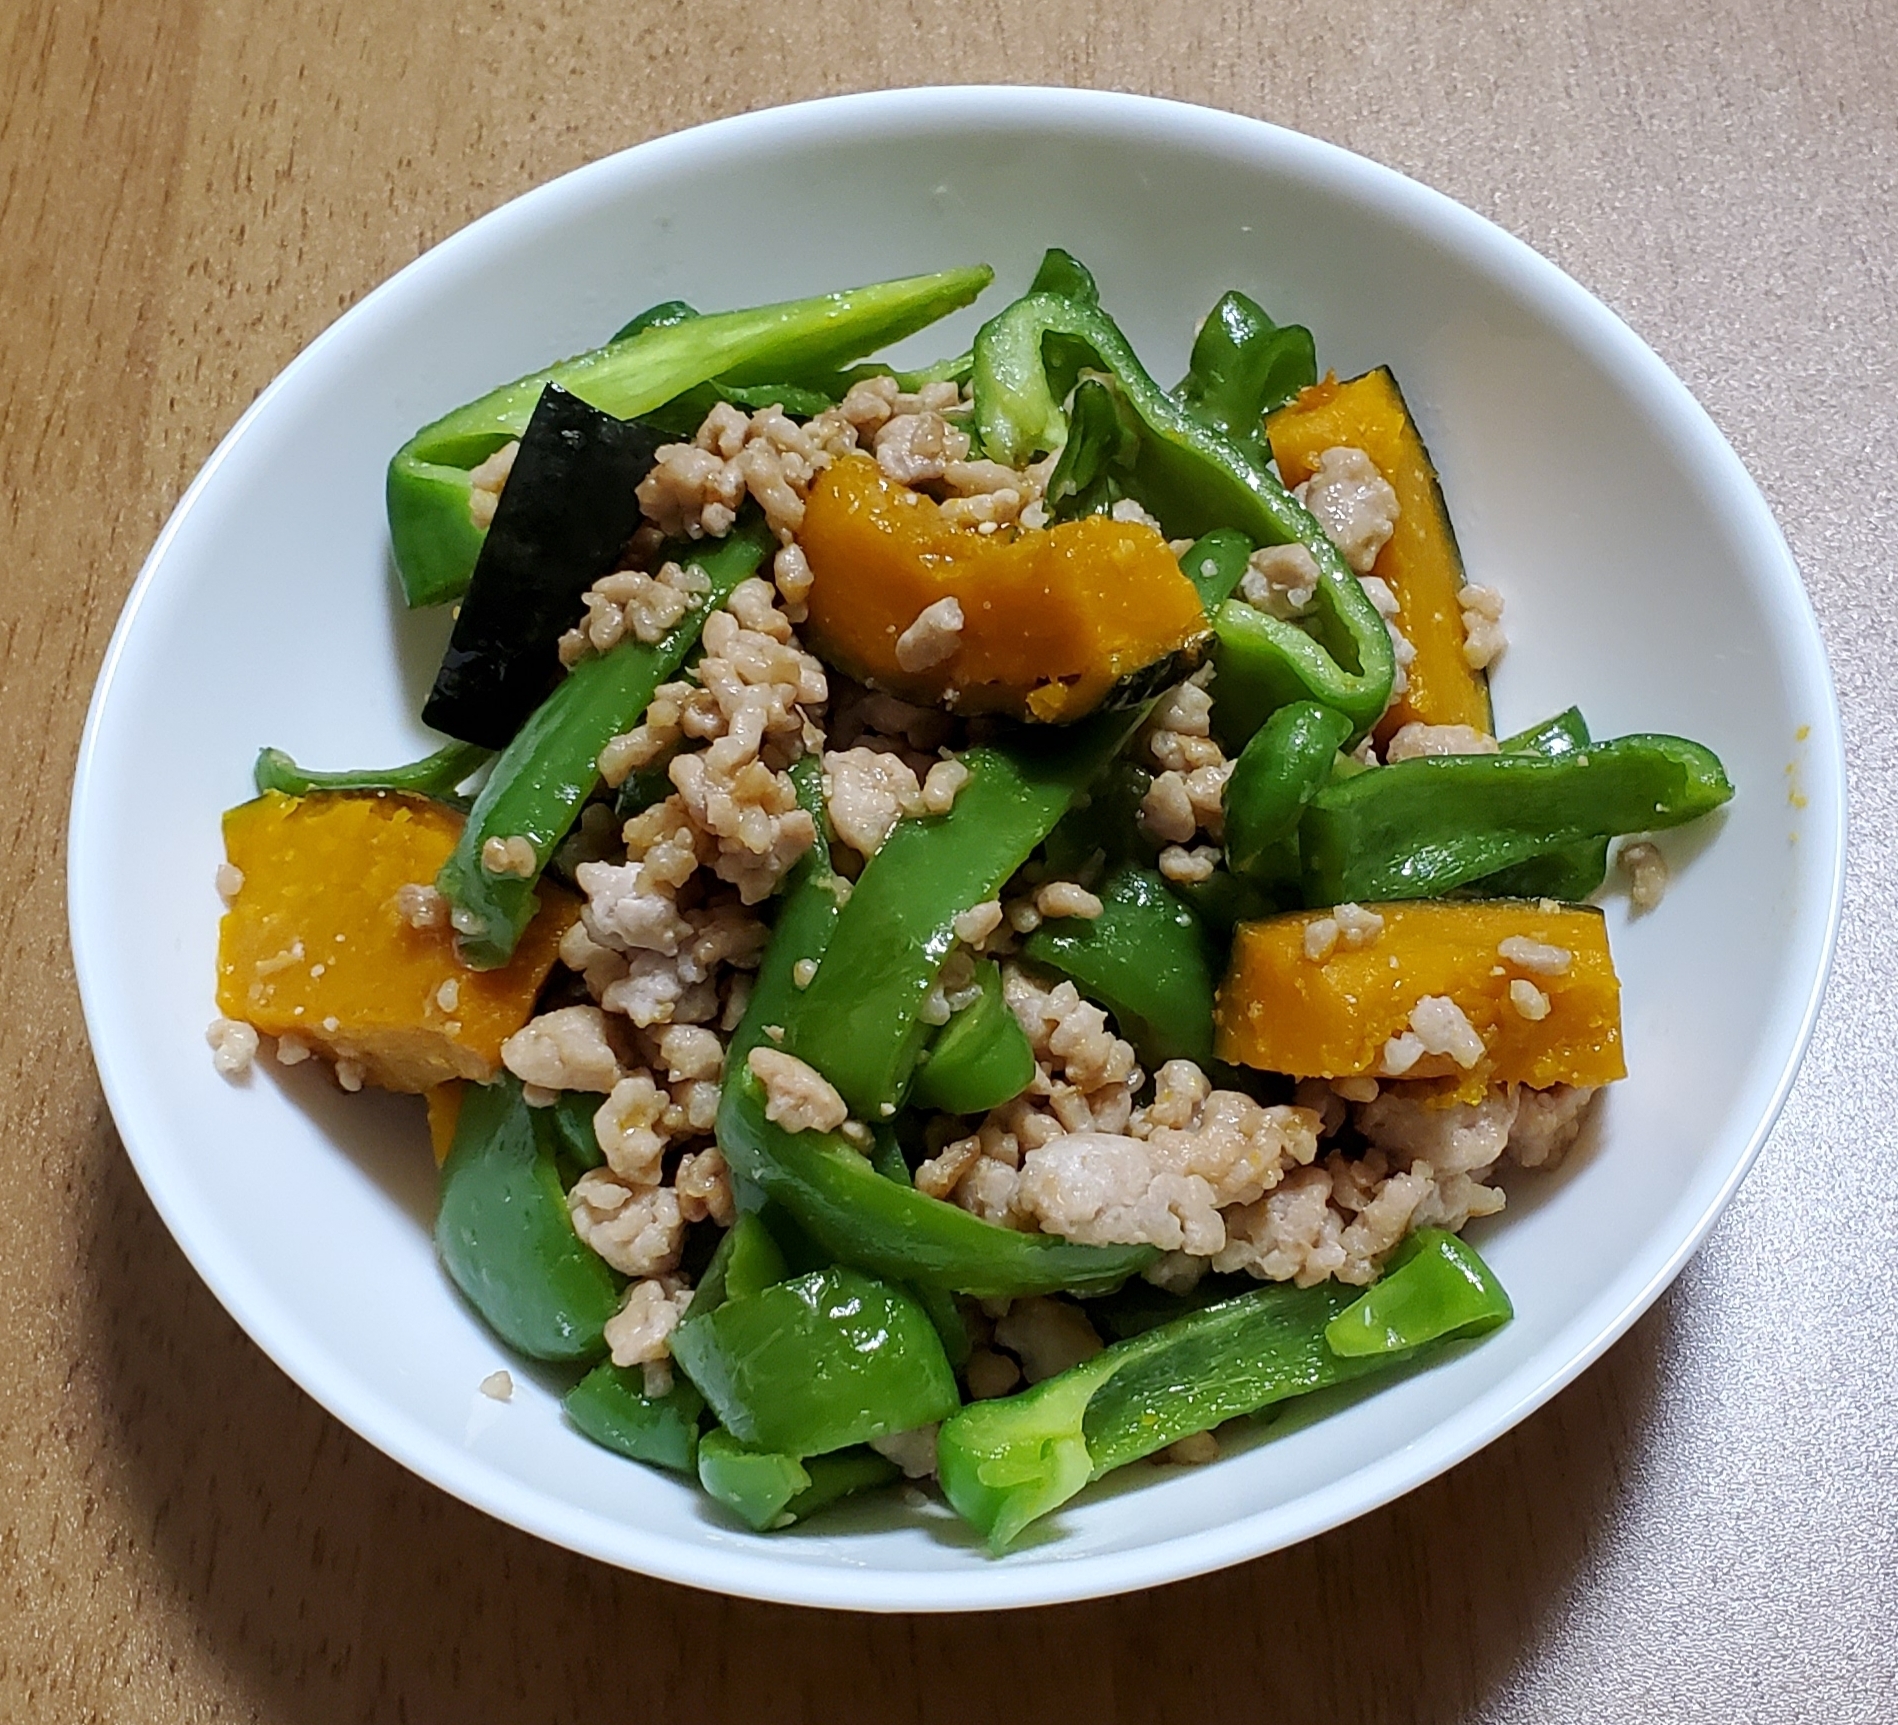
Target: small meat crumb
1646, 870
932, 638
350, 1074
1067, 898
803, 972
943, 785
1528, 1000
513, 855
1416, 739
292, 1050
1357, 927
978, 922
1442, 1028
565, 1049
230, 881
1321, 938
448, 996
1189, 867
1281, 580
913, 1451
797, 1097
420, 906
1047, 1336
498, 1387
233, 1046
1195, 1450
1483, 637
1353, 504
1535, 956
640, 1331
989, 1374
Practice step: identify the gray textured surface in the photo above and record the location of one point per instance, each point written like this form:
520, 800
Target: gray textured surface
1704, 1528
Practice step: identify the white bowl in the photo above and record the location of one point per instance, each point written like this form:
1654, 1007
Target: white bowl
1645, 580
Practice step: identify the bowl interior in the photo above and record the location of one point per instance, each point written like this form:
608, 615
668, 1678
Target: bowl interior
1644, 579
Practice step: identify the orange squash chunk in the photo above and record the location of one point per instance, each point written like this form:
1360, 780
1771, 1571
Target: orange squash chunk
1331, 1017
314, 946
1053, 619
444, 1115
1421, 563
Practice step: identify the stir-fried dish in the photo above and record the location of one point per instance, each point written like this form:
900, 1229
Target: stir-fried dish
973, 924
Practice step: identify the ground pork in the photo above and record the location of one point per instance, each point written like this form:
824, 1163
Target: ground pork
1280, 580
566, 1049
913, 1451
933, 637
1483, 639
1646, 870
485, 483
640, 1331
1352, 503
1403, 654
632, 602
797, 1096
233, 1046
1190, 769
1414, 740
1047, 1336
1547, 1123
639, 1230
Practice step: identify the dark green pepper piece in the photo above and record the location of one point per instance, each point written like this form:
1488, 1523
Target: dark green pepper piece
1063, 273
1565, 734
1193, 479
1570, 873
661, 316
579, 1143
979, 1059
859, 1022
887, 1158
767, 1491
1146, 959
434, 537
610, 1405
1006, 1463
551, 768
831, 1358
1216, 563
438, 775
1421, 827
1097, 460
1245, 366
828, 1186
504, 1235
1284, 766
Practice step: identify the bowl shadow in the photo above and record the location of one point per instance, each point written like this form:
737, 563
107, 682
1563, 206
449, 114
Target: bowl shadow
332, 1585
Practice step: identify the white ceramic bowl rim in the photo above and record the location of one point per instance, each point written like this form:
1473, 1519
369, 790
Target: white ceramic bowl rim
734, 1568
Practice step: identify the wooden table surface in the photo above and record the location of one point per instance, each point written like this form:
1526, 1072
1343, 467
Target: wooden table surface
1705, 1527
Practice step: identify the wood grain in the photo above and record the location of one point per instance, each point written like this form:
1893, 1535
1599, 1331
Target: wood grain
1704, 1527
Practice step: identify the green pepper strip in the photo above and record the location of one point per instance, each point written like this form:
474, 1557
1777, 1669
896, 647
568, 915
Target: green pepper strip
979, 1059
767, 1491
825, 1360
504, 1235
1421, 827
434, 537
859, 1023
1145, 958
438, 775
1006, 1463
552, 766
1245, 366
610, 1405
1574, 871
1193, 479
1284, 766
828, 1186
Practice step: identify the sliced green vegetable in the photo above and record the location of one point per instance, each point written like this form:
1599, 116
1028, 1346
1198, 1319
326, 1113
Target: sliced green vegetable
748, 1261
568, 509
1245, 366
1429, 1289
1286, 764
767, 1491
504, 1235
980, 1058
578, 1142
434, 537
610, 1405
438, 775
1421, 827
1005, 1463
1146, 958
859, 1022
548, 771
827, 1359
1216, 563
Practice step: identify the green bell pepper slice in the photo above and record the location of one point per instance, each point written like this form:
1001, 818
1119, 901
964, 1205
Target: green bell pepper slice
1006, 1463
1420, 828
1574, 871
504, 1235
827, 1185
768, 1491
1146, 958
1243, 367
980, 1058
610, 1405
1286, 764
825, 1360
551, 768
859, 1022
1193, 479
434, 537
438, 775
748, 1261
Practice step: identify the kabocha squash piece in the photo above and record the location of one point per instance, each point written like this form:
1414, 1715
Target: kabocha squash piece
1330, 1017
1056, 622
1421, 563
315, 946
